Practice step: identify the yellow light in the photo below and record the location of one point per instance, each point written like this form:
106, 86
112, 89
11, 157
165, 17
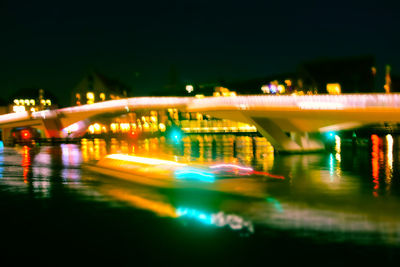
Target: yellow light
90, 97
189, 88
265, 89
43, 102
21, 102
216, 94
102, 96
91, 129
27, 102
32, 102
281, 88
16, 102
97, 127
288, 82
162, 127
48, 102
143, 160
337, 143
18, 108
333, 88
114, 127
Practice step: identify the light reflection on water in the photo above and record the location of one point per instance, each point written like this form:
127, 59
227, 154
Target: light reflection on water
350, 194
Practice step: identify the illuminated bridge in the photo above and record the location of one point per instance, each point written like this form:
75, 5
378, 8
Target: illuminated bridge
289, 122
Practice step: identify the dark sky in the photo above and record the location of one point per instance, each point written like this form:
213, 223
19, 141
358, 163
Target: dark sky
51, 44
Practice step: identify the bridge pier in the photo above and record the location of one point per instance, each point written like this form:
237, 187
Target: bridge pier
295, 142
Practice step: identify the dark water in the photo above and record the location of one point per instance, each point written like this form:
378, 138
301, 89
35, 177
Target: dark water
329, 208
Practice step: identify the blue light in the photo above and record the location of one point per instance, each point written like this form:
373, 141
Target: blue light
276, 203
194, 174
194, 214
176, 135
331, 135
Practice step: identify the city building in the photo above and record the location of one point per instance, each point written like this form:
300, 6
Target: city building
352, 74
96, 87
31, 100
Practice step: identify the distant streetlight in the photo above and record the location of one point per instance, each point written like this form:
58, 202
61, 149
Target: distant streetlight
189, 88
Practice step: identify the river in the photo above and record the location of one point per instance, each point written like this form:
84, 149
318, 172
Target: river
328, 208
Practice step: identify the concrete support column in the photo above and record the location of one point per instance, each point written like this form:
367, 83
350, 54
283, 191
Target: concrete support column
52, 127
294, 142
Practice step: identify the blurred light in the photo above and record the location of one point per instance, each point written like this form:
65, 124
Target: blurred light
219, 219
25, 134
91, 129
333, 88
18, 109
273, 88
389, 160
102, 96
331, 135
162, 127
97, 127
194, 214
189, 88
288, 82
195, 174
276, 203
71, 128
281, 88
375, 163
176, 135
234, 166
144, 160
265, 89
90, 97
269, 175
337, 143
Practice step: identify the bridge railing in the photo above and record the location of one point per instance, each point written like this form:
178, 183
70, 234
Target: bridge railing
301, 102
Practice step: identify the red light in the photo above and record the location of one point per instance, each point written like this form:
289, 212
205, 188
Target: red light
133, 134
25, 134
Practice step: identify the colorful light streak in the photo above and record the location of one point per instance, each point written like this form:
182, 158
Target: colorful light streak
269, 175
276, 203
375, 163
233, 166
219, 219
194, 174
144, 160
389, 160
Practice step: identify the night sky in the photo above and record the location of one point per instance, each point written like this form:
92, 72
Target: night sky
52, 44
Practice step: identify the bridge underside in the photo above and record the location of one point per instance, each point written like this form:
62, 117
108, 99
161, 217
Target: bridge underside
291, 134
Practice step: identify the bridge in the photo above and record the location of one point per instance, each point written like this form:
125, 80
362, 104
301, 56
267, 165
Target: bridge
290, 122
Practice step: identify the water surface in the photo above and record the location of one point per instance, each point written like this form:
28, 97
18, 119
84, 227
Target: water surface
326, 208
